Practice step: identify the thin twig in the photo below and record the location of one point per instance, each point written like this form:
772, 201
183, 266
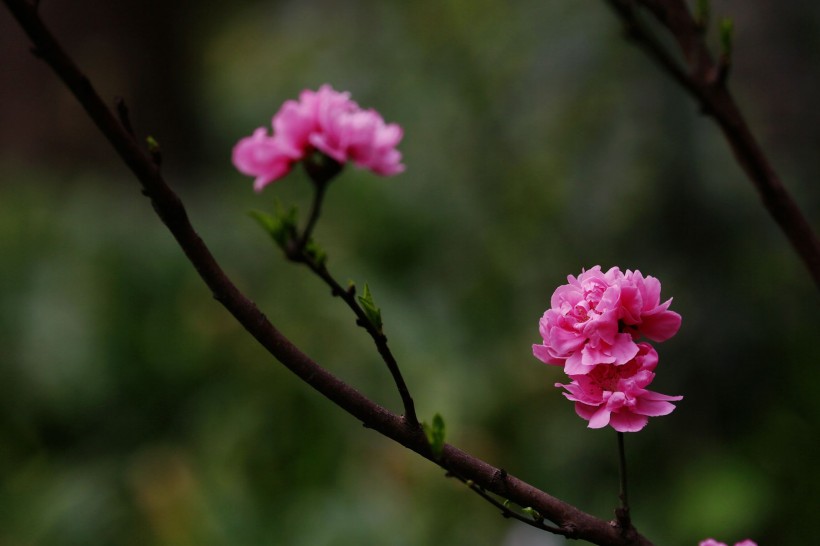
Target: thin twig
171, 211
315, 210
705, 81
349, 297
507, 513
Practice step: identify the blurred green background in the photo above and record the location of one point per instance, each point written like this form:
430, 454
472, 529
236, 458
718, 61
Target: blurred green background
134, 411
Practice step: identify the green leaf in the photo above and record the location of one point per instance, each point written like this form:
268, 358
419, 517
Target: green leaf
374, 315
264, 219
435, 434
281, 226
315, 252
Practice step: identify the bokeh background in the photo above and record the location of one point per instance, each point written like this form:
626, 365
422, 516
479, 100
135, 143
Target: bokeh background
134, 411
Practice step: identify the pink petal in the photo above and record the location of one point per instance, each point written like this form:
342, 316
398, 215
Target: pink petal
626, 421
543, 353
624, 349
652, 408
261, 156
599, 419
661, 326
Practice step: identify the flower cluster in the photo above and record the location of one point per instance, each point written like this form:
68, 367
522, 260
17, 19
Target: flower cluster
592, 330
326, 121
713, 542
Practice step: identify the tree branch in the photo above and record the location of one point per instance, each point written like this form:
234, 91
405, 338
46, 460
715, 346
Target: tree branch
349, 297
705, 81
572, 522
537, 522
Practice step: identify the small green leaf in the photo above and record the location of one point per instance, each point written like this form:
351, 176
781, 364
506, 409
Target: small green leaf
435, 433
315, 252
727, 31
532, 512
281, 226
506, 503
153, 145
264, 219
288, 217
373, 313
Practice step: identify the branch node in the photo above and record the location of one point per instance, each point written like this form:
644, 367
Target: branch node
122, 113
720, 73
569, 530
500, 478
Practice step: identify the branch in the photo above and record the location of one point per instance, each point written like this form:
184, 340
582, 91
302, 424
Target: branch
571, 522
705, 80
349, 297
537, 522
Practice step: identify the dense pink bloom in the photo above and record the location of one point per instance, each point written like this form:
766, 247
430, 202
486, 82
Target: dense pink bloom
324, 120
713, 542
596, 318
617, 395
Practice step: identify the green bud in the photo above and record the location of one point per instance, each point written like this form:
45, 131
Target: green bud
153, 145
435, 434
315, 252
373, 313
281, 226
532, 512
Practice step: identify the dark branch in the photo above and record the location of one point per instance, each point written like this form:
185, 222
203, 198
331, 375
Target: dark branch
168, 206
349, 297
705, 80
506, 512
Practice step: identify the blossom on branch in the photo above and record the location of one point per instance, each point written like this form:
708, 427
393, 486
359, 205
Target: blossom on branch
617, 395
324, 121
596, 318
592, 329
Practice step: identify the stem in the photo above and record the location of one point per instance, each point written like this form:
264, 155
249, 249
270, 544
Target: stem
315, 210
622, 513
321, 178
348, 296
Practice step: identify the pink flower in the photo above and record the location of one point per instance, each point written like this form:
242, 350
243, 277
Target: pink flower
263, 157
616, 395
641, 310
324, 120
596, 318
713, 542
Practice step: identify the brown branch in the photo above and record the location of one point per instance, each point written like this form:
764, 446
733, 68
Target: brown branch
504, 508
349, 297
705, 80
571, 522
